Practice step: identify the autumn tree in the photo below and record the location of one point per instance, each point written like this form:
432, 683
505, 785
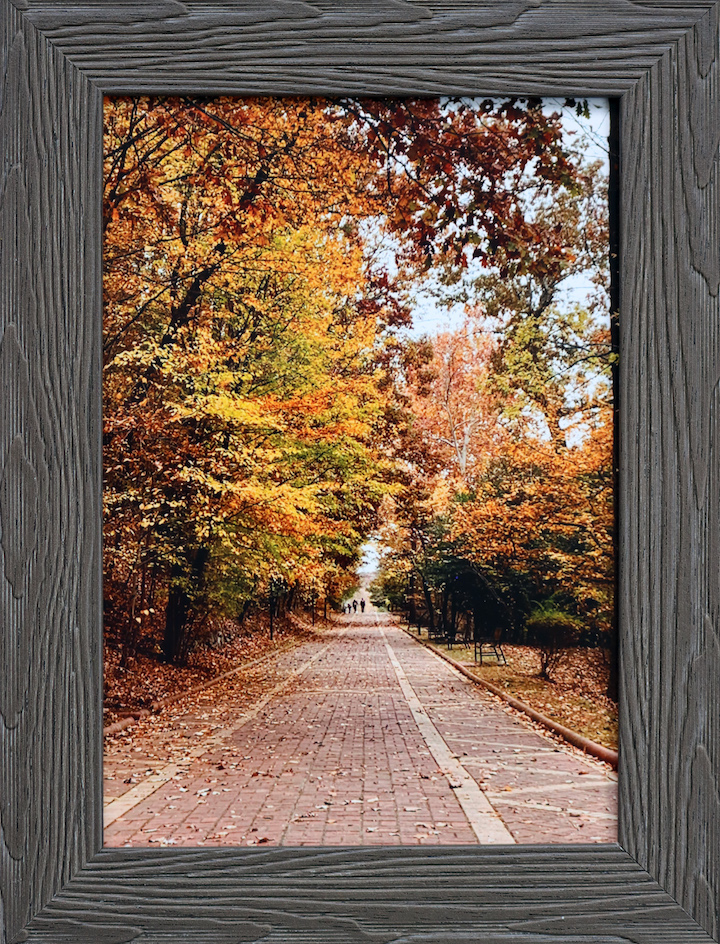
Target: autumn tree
512, 423
239, 396
494, 511
252, 305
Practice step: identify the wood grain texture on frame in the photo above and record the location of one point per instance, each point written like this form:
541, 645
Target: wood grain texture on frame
662, 882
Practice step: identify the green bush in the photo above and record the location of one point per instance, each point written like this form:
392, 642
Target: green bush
553, 631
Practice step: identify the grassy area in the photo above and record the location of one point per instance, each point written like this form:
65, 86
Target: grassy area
576, 697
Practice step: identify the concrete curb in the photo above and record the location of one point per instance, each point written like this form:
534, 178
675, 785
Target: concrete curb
134, 716
605, 754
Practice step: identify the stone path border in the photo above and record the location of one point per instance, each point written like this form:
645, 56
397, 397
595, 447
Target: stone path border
481, 815
603, 753
339, 758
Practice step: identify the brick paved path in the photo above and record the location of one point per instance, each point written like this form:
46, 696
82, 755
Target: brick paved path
361, 736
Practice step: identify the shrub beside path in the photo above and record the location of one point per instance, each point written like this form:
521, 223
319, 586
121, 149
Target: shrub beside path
356, 736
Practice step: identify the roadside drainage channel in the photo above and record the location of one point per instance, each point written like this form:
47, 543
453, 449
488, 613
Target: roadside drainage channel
603, 753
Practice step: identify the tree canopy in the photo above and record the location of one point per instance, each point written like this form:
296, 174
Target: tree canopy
266, 410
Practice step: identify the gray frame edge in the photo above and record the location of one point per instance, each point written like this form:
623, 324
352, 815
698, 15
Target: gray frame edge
55, 62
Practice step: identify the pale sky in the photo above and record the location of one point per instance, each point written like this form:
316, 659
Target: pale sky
589, 133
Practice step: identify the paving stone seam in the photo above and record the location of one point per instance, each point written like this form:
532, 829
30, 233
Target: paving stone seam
118, 807
484, 820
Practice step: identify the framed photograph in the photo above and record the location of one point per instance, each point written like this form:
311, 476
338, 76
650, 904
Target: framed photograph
657, 63
333, 411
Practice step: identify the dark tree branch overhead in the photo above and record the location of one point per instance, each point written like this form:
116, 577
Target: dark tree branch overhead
56, 61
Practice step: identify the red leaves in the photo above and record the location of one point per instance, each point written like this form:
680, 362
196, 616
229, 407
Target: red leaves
257, 253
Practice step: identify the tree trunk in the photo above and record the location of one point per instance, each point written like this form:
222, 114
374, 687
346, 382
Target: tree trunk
444, 608
412, 613
176, 615
179, 608
429, 603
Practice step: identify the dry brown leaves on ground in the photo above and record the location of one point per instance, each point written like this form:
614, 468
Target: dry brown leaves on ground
575, 698
146, 679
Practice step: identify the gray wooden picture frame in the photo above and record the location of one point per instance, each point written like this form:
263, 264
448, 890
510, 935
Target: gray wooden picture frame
661, 882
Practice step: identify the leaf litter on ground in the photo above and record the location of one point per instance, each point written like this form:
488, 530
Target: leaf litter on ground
576, 697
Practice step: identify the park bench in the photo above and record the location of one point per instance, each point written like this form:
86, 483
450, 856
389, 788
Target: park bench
493, 642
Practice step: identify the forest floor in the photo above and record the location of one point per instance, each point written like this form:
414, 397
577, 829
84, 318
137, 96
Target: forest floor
576, 697
145, 679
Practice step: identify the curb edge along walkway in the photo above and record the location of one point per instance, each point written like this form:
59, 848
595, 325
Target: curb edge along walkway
484, 821
599, 751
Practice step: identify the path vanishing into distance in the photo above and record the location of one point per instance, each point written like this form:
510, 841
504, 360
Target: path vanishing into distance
359, 736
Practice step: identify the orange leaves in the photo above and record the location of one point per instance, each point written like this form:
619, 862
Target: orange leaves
454, 414
501, 497
549, 514
259, 255
240, 393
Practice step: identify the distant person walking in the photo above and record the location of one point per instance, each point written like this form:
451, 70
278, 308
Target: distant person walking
362, 605
354, 606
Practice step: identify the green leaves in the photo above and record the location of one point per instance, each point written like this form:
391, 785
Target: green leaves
260, 406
